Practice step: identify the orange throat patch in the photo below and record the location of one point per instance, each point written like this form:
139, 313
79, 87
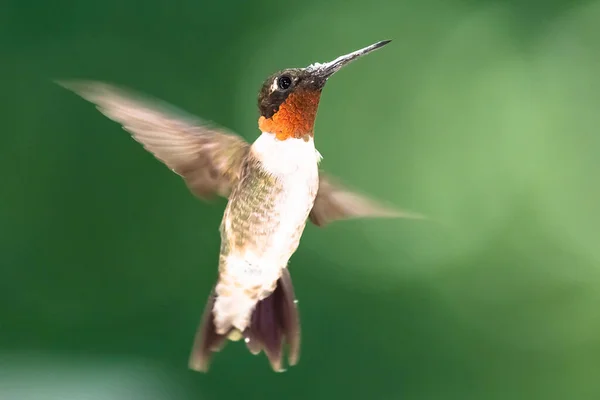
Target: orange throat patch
295, 117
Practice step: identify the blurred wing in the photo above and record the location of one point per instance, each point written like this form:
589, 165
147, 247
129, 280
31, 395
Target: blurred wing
336, 202
208, 158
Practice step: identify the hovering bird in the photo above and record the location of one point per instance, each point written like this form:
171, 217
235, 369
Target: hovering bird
273, 187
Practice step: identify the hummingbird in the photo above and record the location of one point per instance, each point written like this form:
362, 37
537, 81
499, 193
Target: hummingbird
273, 187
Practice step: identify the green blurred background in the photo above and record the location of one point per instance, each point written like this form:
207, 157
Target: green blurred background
481, 114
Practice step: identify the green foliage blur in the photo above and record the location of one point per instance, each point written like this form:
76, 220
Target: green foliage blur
481, 114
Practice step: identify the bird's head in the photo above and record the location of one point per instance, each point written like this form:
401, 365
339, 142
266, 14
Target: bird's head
289, 99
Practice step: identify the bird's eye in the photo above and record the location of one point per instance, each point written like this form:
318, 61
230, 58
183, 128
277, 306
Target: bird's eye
284, 82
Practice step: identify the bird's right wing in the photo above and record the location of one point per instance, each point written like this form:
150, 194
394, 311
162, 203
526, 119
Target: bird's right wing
209, 159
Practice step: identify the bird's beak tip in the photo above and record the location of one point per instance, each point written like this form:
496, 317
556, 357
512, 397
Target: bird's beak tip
326, 70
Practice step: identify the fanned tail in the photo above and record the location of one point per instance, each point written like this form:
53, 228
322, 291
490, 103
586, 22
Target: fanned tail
274, 324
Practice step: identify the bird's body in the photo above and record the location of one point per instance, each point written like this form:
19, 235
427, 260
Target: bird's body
273, 186
262, 225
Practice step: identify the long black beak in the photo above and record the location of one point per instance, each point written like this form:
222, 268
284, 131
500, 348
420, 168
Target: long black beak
324, 71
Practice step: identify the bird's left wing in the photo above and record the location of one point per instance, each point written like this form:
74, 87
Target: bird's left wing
208, 158
336, 202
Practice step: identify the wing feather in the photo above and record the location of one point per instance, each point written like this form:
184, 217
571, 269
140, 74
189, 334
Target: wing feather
207, 157
336, 202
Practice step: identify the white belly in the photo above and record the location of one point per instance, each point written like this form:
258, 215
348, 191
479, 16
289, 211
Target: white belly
249, 273
294, 162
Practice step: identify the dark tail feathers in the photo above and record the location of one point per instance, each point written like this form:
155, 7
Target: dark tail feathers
274, 323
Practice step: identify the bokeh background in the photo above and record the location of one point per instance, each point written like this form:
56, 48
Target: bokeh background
481, 114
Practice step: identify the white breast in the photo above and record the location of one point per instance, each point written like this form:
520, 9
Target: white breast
295, 163
284, 157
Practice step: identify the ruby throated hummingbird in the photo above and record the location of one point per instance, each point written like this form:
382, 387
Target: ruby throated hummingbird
273, 187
